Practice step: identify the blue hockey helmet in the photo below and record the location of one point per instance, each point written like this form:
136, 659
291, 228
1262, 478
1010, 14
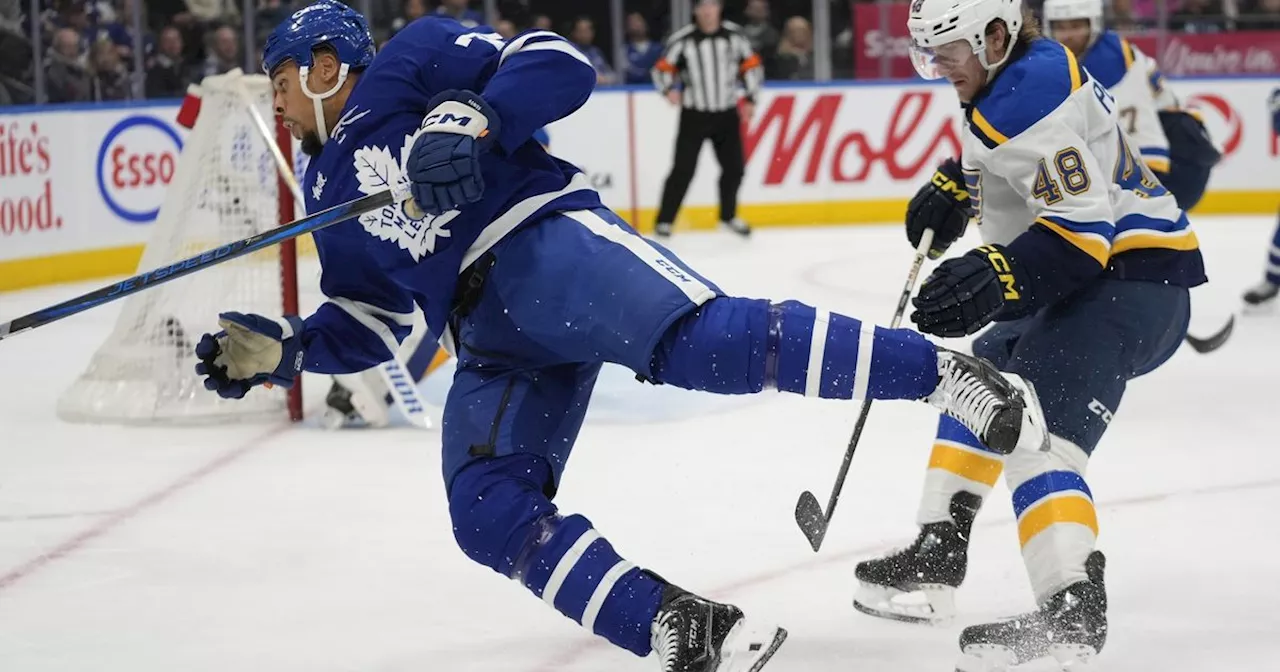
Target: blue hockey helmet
327, 23
324, 22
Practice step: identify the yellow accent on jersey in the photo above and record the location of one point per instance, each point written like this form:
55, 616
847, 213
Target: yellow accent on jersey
1158, 164
1073, 68
986, 127
1128, 53
1089, 243
1071, 509
1182, 241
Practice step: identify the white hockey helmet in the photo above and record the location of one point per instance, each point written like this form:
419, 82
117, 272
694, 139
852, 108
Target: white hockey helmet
939, 23
1070, 10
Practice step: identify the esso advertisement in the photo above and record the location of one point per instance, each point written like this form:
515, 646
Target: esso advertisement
136, 162
26, 179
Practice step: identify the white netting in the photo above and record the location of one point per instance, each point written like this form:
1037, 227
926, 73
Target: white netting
224, 189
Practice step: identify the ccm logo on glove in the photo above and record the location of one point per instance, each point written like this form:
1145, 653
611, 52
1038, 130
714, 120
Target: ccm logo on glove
456, 116
1004, 272
949, 186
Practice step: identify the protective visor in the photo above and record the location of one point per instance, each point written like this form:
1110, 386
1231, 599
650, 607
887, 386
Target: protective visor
936, 62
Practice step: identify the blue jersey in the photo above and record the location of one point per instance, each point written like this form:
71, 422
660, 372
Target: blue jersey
375, 269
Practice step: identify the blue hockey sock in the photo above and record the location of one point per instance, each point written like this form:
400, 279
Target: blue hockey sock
574, 569
1273, 259
503, 520
738, 346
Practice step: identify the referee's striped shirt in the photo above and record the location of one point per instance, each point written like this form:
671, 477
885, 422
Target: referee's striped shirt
710, 67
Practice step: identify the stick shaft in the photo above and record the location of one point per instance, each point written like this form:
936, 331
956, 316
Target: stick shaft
218, 255
926, 240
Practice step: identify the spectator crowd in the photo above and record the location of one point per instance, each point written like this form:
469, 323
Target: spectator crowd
91, 52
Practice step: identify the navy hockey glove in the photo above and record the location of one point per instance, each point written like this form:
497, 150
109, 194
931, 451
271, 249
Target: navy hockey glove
250, 350
942, 205
444, 163
964, 294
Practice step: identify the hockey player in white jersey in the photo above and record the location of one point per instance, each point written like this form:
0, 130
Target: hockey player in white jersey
1171, 141
1085, 271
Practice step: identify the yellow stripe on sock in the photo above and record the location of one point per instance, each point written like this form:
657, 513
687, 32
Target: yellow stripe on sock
1071, 509
975, 467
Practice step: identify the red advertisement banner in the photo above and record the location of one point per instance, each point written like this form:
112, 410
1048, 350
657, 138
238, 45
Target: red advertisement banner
881, 32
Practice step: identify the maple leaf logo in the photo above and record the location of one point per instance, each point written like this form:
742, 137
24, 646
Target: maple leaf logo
378, 170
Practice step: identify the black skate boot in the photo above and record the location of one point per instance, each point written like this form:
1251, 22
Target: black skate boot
917, 584
1001, 409
1069, 629
693, 634
1263, 293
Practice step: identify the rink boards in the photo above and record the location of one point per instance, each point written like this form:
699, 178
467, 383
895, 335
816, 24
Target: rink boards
81, 185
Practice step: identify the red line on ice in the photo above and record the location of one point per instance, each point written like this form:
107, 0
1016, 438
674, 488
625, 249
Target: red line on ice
121, 516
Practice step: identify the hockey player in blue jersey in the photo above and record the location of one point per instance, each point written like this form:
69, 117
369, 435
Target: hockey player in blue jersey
1265, 292
534, 285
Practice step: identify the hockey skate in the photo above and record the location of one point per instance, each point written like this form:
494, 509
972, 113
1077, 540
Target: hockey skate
356, 400
1001, 409
692, 634
737, 226
1065, 634
1261, 294
917, 584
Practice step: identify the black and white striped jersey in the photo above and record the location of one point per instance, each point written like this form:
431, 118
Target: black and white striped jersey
709, 66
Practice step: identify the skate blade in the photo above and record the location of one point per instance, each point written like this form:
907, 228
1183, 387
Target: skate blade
926, 603
748, 648
997, 658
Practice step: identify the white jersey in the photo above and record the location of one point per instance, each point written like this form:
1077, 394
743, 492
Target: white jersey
1044, 155
1135, 80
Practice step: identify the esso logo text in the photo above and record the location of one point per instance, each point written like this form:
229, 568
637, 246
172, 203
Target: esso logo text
136, 163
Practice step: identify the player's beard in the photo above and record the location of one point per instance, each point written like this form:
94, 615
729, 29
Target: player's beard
311, 144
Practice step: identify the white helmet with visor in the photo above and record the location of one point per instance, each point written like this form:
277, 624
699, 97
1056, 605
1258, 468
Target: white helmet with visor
945, 32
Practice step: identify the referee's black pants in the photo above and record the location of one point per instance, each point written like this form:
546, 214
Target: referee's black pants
724, 132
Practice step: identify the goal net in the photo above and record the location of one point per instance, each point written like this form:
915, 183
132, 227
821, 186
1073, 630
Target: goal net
226, 187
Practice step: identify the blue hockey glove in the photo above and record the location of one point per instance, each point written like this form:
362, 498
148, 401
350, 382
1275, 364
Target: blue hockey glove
444, 163
964, 294
250, 350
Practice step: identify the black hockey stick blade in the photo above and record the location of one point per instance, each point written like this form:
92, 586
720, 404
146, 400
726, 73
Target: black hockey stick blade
1207, 345
811, 519
178, 269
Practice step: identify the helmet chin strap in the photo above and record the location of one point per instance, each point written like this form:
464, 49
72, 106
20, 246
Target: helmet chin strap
317, 99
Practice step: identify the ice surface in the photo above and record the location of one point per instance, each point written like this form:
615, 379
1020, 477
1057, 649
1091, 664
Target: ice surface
275, 548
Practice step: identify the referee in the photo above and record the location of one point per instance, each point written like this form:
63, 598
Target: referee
708, 58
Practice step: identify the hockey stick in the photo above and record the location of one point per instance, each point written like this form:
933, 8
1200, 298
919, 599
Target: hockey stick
813, 521
218, 255
1217, 340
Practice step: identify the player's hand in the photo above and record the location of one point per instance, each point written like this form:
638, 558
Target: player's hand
673, 97
964, 294
250, 350
444, 163
942, 205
